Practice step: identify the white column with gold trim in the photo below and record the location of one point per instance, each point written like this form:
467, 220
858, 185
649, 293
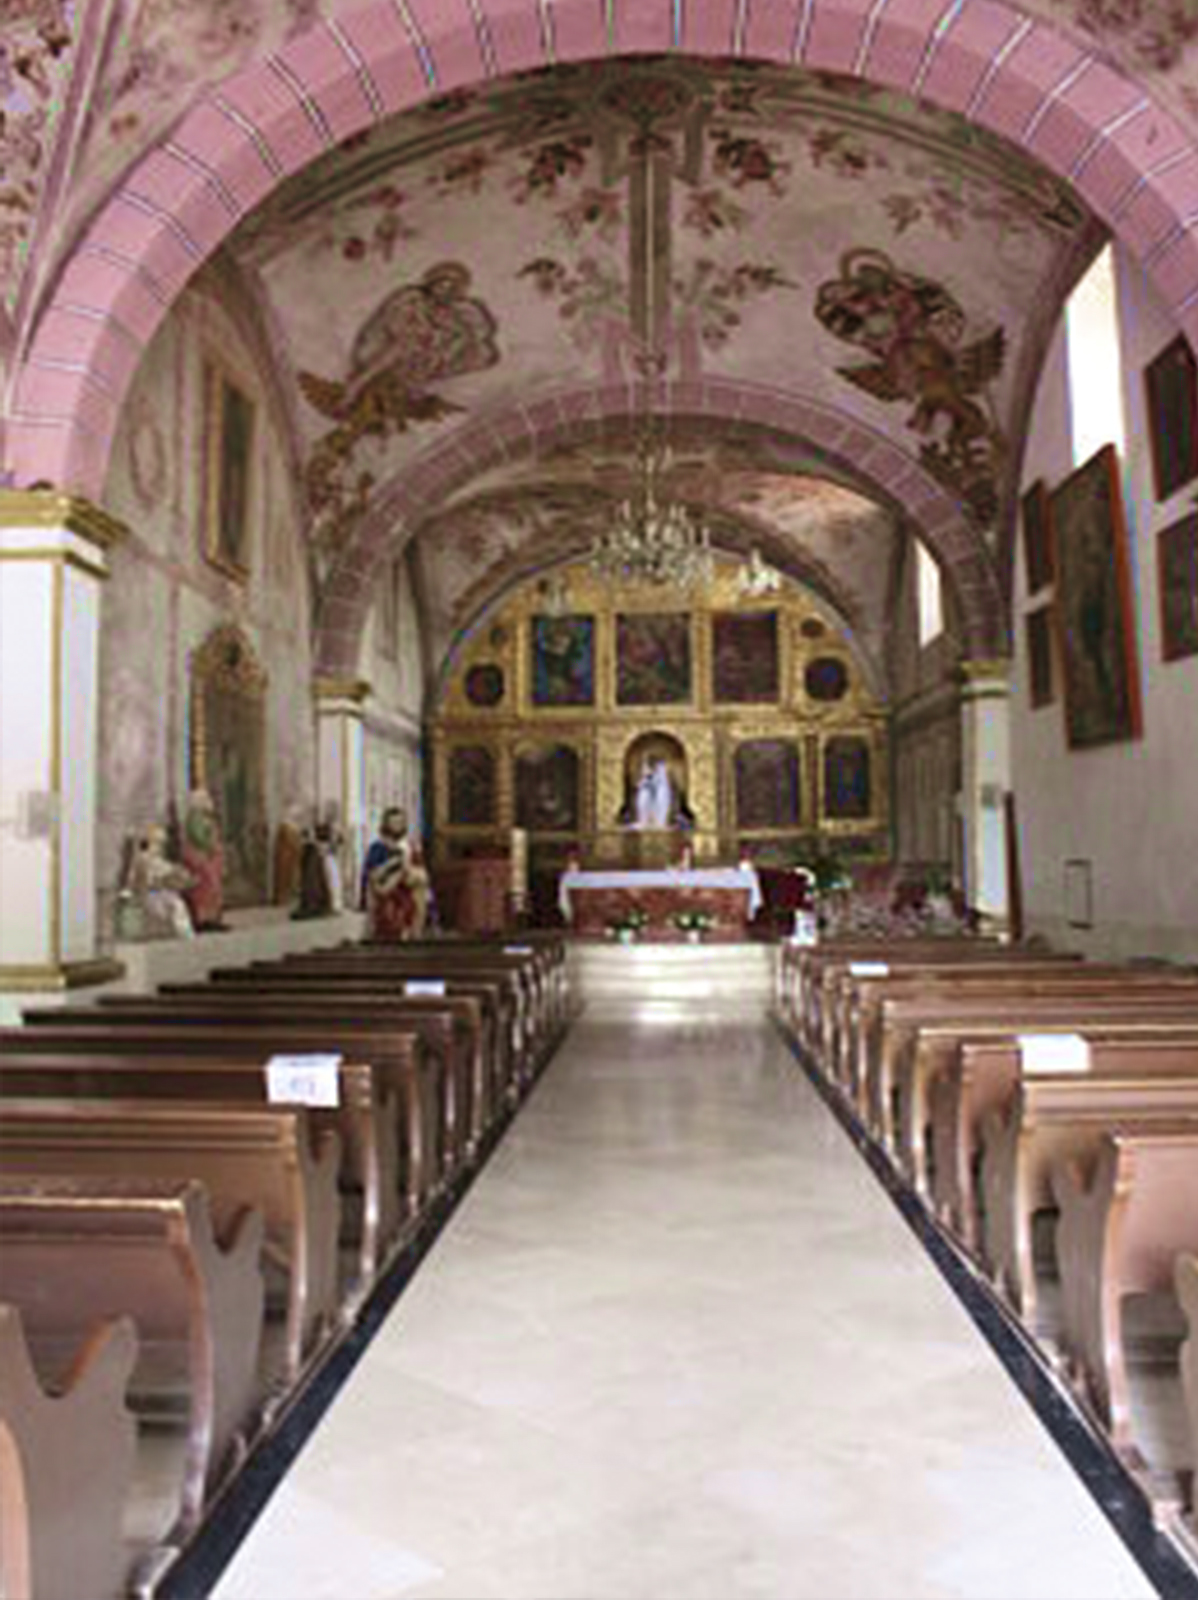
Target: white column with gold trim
985, 781
53, 551
341, 767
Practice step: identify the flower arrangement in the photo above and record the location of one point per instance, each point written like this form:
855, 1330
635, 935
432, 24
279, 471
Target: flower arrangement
626, 925
693, 921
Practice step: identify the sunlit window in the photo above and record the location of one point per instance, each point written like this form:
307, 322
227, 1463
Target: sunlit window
1094, 365
931, 599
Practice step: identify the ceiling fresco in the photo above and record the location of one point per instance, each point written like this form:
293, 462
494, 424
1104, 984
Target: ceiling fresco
671, 219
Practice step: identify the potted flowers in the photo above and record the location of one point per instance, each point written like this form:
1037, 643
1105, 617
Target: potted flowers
625, 927
694, 924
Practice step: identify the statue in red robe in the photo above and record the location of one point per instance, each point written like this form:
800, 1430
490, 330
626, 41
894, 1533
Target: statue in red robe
204, 858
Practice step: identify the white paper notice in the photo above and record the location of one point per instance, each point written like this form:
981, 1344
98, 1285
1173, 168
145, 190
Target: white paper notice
806, 929
1054, 1052
424, 986
517, 950
304, 1080
869, 969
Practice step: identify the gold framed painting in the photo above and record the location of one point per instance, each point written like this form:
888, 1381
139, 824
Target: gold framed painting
1095, 619
228, 467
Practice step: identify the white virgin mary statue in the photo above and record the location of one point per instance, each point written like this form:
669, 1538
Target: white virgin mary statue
654, 796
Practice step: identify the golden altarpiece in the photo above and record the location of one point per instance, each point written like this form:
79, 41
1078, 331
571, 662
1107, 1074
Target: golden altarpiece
760, 708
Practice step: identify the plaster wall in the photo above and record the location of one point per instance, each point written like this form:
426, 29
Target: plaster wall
164, 597
1129, 810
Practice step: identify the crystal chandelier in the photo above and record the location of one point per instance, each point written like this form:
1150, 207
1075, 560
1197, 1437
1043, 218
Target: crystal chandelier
651, 540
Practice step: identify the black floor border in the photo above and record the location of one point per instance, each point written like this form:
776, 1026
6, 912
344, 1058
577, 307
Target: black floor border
200, 1564
1111, 1485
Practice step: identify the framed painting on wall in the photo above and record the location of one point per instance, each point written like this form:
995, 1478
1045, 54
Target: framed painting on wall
228, 471
1035, 511
471, 786
1171, 381
653, 659
768, 791
563, 661
1039, 657
744, 657
1094, 617
848, 781
548, 788
1177, 565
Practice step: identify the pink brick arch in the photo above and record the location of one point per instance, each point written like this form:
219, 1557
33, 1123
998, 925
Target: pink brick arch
583, 415
1012, 73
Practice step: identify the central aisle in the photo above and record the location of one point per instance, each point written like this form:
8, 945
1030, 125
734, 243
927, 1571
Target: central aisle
677, 1345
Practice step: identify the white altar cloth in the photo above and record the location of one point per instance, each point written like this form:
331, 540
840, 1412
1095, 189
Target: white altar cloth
662, 878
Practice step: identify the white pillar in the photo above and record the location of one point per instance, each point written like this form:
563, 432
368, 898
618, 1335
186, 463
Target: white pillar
985, 780
52, 567
341, 768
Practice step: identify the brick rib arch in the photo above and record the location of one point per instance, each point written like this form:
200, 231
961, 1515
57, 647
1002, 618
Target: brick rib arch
583, 415
1130, 160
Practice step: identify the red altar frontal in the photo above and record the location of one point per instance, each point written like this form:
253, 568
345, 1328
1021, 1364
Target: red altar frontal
595, 902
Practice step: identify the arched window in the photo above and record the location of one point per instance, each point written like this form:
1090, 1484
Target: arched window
1094, 362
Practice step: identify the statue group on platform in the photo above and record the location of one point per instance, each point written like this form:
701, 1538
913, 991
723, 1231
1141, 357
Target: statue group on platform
174, 893
395, 884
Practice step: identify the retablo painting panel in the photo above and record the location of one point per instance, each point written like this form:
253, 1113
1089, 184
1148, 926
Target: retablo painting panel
1093, 605
653, 659
1177, 552
548, 787
471, 786
826, 679
563, 661
1172, 385
768, 789
485, 685
848, 785
744, 657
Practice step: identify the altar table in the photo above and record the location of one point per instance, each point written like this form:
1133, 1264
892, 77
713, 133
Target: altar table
591, 901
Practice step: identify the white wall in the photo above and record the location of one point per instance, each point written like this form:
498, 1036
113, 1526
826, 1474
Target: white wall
1130, 809
392, 748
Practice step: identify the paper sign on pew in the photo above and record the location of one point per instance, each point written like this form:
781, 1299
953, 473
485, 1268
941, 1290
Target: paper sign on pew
415, 986
806, 930
1054, 1052
869, 969
313, 1080
518, 950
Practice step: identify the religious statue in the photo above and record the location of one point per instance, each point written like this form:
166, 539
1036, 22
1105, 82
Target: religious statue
395, 886
654, 796
314, 897
289, 845
331, 843
153, 890
204, 858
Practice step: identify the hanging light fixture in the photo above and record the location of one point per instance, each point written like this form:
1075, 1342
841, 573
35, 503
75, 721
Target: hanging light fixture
651, 539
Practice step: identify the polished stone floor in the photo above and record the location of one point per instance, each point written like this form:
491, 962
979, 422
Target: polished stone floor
678, 1345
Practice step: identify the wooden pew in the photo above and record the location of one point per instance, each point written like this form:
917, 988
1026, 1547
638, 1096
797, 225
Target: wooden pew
258, 1157
74, 1253
62, 1065
1053, 1119
1128, 1208
66, 1463
476, 1075
391, 1047
981, 1076
900, 1061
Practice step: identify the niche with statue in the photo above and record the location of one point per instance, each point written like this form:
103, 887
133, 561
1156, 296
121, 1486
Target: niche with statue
228, 756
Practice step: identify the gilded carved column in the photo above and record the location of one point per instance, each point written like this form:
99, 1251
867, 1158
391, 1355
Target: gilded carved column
985, 781
53, 563
341, 767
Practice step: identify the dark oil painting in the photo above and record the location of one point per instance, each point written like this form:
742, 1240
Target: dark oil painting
1177, 550
653, 659
471, 786
1093, 606
768, 793
1037, 549
744, 657
848, 788
1039, 656
1171, 382
563, 661
548, 786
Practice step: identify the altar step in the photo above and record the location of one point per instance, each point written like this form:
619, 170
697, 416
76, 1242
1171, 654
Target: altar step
672, 981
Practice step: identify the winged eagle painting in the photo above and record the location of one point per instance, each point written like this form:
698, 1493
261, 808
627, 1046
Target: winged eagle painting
420, 335
914, 328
